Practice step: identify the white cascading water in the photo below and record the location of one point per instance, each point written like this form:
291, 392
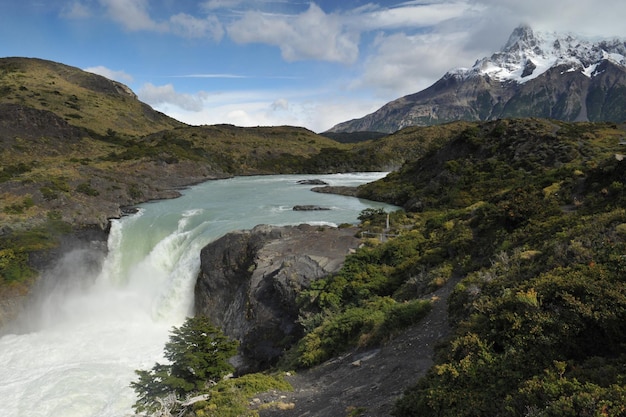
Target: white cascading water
77, 349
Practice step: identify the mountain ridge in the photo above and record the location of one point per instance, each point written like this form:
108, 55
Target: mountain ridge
545, 75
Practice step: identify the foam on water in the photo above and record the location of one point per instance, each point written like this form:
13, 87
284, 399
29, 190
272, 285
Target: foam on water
78, 347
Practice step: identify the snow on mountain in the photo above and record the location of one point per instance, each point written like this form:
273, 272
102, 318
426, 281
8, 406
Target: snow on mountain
529, 54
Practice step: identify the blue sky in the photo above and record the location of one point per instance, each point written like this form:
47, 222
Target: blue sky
277, 62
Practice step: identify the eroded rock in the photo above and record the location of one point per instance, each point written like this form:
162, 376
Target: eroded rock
249, 281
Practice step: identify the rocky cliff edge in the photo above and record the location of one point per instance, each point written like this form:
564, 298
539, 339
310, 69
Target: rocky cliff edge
249, 280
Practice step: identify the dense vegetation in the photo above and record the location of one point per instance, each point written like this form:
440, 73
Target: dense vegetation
527, 219
534, 216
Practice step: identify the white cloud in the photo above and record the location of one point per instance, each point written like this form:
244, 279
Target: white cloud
591, 18
132, 14
312, 34
166, 95
221, 4
411, 15
120, 76
280, 104
318, 112
401, 64
188, 26
75, 10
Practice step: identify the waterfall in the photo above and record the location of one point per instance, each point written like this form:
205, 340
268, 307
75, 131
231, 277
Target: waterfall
91, 328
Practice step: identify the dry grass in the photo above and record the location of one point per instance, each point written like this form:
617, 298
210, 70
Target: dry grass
81, 98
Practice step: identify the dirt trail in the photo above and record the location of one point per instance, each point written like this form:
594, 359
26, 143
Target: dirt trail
365, 382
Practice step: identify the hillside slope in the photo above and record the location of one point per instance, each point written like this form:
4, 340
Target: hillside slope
81, 98
77, 146
518, 228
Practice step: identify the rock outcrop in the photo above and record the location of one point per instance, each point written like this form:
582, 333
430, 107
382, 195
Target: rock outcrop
309, 207
337, 189
249, 281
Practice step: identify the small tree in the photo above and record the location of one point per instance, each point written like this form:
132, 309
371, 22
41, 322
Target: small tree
376, 216
198, 354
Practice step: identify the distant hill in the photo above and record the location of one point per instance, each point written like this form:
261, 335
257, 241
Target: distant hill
353, 137
80, 98
545, 75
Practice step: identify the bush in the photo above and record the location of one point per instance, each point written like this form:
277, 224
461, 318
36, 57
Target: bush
87, 189
376, 322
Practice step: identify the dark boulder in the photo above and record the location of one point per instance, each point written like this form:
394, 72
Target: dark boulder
309, 208
312, 182
249, 281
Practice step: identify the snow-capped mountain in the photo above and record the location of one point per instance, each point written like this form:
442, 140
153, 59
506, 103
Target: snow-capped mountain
535, 74
528, 55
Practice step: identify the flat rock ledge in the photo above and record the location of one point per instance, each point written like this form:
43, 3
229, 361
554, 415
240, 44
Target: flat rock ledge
309, 207
337, 189
312, 182
249, 280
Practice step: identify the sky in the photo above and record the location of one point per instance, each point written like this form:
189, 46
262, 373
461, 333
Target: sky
283, 62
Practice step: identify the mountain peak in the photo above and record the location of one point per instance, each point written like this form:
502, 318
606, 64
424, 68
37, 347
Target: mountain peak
522, 34
528, 54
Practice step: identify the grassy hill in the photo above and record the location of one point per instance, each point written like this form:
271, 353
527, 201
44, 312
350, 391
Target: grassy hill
81, 98
77, 146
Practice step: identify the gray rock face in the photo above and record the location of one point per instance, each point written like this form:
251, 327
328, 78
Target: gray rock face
249, 281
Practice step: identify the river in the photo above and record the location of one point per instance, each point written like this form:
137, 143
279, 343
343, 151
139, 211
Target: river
77, 354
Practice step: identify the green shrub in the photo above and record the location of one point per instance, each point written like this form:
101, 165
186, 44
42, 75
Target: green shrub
374, 323
87, 189
14, 266
48, 193
11, 171
19, 208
